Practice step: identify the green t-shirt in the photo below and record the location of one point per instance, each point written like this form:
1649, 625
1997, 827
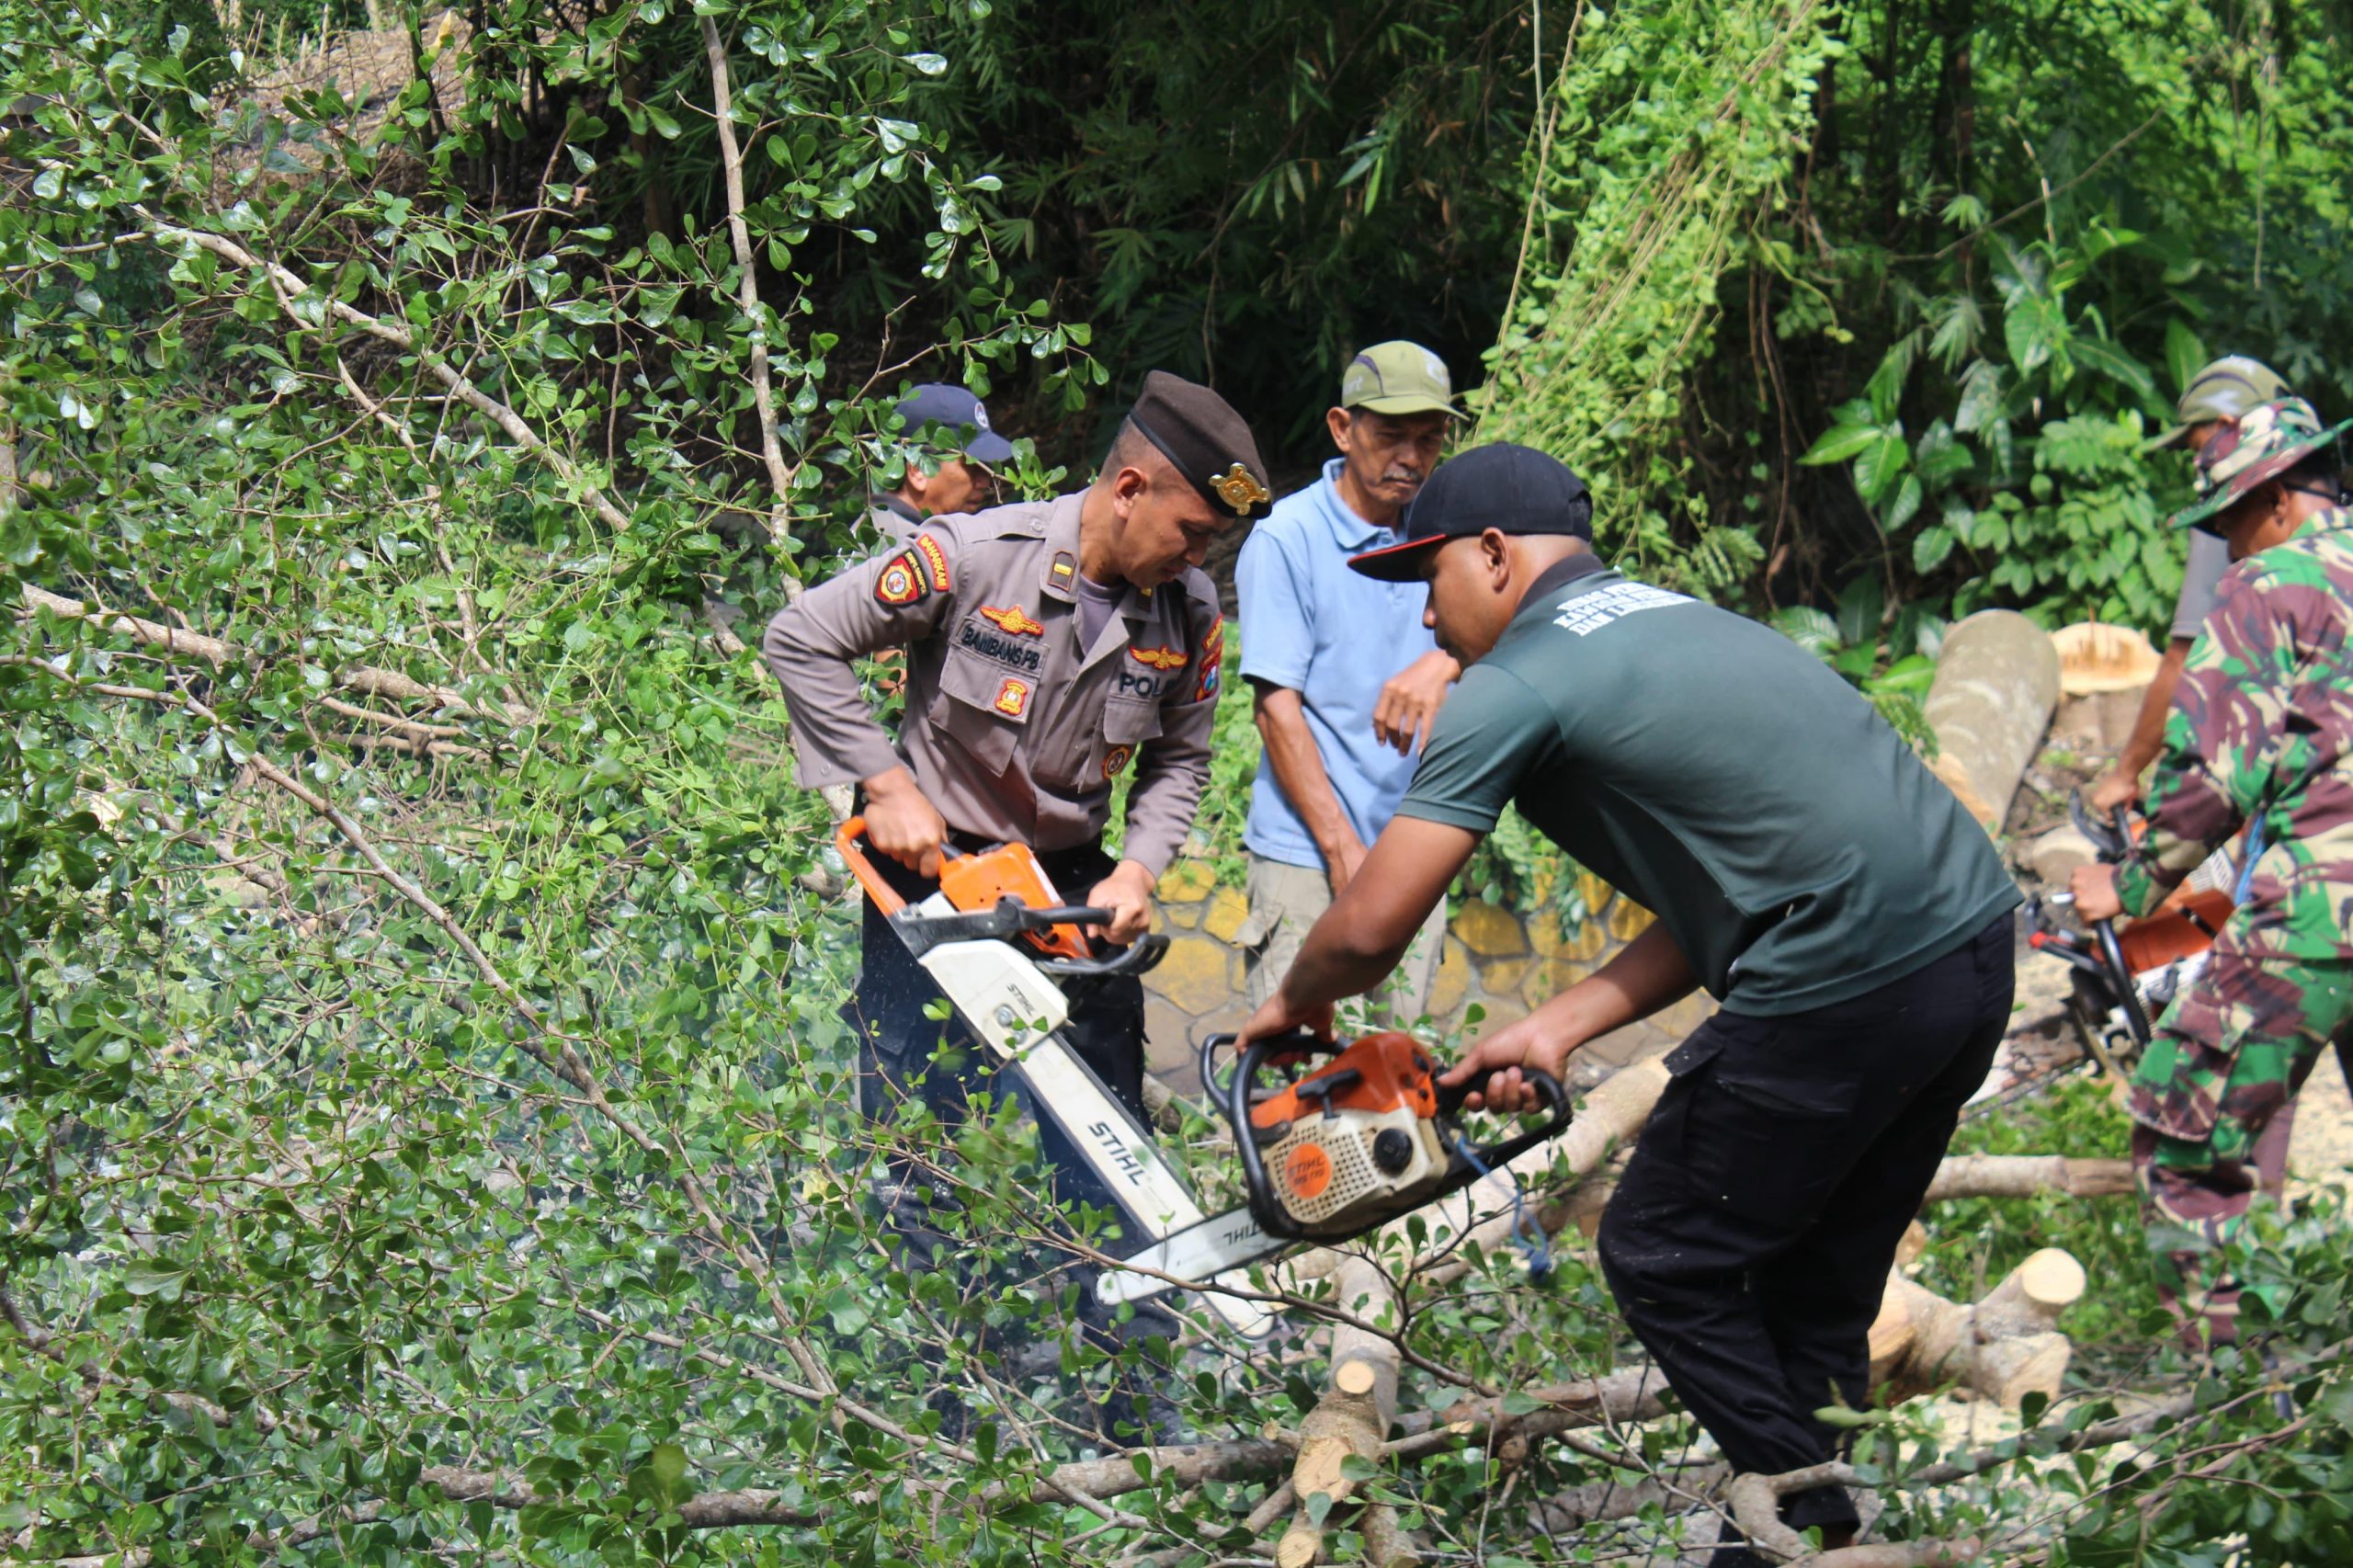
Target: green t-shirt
1722, 776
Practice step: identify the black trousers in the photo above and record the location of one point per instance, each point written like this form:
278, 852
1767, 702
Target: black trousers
1749, 1243
898, 1041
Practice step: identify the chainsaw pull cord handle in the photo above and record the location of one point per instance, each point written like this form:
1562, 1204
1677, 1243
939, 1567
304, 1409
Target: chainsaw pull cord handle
1526, 1235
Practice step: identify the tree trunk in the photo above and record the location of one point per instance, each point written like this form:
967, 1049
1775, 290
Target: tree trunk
1996, 684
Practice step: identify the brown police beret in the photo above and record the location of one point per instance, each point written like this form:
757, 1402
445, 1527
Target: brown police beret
1199, 433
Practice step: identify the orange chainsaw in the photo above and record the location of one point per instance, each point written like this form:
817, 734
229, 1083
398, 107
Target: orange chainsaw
1329, 1154
996, 938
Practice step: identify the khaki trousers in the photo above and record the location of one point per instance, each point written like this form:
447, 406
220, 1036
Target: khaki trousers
1285, 900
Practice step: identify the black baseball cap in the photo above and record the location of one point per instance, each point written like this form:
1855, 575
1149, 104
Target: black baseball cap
1514, 490
956, 411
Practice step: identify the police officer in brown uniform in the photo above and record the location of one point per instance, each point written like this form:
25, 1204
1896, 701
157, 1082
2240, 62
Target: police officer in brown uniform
1051, 647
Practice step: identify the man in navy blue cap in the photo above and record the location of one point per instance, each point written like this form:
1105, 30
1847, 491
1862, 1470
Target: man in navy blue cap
1851, 919
948, 472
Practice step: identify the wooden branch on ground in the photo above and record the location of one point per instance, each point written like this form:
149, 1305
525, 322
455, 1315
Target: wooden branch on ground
365, 680
2003, 1348
2023, 1175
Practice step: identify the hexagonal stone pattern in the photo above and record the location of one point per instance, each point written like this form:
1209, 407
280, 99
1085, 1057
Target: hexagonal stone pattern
1490, 931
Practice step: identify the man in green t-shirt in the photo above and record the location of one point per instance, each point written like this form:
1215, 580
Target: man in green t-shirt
1805, 868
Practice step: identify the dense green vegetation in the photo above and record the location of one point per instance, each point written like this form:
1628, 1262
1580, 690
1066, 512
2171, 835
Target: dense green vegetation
422, 1104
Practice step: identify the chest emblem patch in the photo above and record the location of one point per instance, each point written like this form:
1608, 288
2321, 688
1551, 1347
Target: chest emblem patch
1014, 623
1161, 658
1114, 760
900, 582
1013, 697
936, 559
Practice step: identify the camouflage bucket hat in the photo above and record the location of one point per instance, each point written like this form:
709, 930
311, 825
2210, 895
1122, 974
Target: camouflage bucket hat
2266, 442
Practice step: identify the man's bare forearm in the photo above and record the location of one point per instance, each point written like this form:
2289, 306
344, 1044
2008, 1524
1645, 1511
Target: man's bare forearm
1650, 973
1298, 766
2149, 726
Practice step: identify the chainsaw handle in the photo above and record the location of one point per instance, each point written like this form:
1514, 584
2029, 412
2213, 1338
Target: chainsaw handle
886, 897
1298, 1042
1269, 1215
1134, 958
1548, 1089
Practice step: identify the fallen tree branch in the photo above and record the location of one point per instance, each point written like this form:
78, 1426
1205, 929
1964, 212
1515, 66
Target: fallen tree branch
2023, 1175
365, 680
398, 334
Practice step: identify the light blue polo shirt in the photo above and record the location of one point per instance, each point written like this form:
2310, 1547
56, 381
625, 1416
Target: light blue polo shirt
1335, 638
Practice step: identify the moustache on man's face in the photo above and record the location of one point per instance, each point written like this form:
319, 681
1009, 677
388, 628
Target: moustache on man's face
1401, 476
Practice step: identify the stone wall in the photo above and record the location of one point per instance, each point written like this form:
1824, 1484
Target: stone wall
1507, 961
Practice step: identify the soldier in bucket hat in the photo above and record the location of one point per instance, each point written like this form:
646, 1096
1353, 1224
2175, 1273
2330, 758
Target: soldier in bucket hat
2210, 404
2259, 730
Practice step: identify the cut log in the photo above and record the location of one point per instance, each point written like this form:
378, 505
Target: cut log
1997, 683
2003, 1348
2023, 1175
1352, 1418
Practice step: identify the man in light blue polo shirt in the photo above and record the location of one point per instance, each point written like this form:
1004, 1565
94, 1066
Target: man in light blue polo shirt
1343, 677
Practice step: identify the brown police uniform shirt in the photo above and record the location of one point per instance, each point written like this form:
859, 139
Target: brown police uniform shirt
1014, 730
893, 518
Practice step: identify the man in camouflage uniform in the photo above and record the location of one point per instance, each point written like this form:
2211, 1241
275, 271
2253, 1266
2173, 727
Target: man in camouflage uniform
2259, 729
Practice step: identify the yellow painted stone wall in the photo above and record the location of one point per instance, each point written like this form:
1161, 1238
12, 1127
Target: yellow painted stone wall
1507, 961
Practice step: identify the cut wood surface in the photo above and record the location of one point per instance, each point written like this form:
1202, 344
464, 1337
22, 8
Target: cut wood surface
2003, 1348
1996, 686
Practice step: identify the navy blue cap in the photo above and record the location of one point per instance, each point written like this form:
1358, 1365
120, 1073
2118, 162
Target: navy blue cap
957, 410
1512, 488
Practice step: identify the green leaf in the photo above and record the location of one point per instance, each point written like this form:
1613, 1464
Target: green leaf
1981, 396
1929, 548
1839, 443
662, 1480
2032, 330
1861, 607
2115, 365
156, 1277
1904, 507
2185, 353
1881, 465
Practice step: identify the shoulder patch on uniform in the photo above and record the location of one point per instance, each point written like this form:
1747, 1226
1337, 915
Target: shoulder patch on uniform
1013, 697
1013, 621
900, 582
1159, 658
1205, 686
936, 559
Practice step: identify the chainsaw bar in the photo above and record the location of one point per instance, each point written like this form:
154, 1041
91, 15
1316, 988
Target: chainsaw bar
1019, 1013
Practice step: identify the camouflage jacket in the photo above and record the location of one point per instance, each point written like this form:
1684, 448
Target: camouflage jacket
2260, 727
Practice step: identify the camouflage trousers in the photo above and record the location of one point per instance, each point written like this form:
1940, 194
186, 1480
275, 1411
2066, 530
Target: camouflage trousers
2213, 1098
